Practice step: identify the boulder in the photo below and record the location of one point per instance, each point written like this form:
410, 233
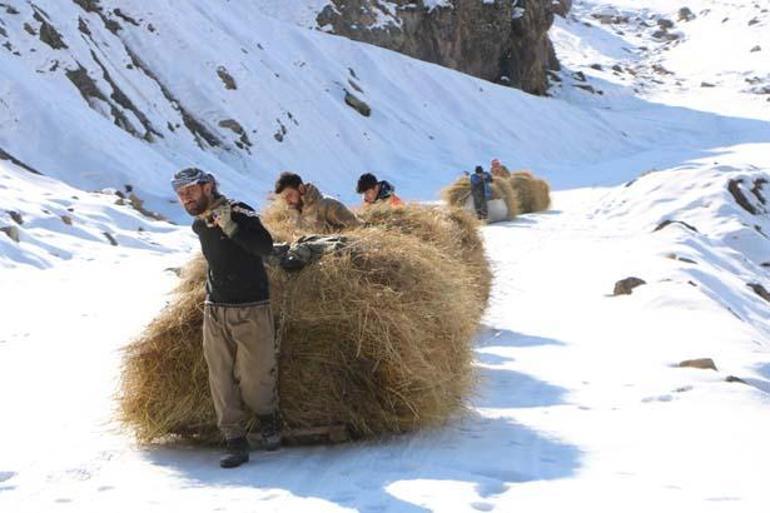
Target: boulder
699, 363
12, 232
626, 286
685, 14
358, 104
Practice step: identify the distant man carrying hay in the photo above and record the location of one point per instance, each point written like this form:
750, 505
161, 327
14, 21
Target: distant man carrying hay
314, 211
481, 191
238, 333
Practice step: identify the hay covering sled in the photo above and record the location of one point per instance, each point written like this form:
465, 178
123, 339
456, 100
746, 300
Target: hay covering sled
533, 193
502, 207
520, 193
375, 336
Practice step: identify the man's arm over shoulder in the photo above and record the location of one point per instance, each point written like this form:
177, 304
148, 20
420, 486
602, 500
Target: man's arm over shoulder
251, 234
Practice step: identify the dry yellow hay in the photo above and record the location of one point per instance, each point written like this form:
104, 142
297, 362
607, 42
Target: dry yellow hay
280, 220
457, 194
377, 337
534, 194
454, 232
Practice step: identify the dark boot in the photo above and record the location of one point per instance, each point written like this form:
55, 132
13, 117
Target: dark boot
270, 426
237, 453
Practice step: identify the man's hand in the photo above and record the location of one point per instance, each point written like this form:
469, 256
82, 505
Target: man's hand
223, 217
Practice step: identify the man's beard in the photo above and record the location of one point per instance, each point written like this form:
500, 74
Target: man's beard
198, 207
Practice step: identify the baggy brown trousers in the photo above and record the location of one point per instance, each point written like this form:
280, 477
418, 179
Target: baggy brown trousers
240, 350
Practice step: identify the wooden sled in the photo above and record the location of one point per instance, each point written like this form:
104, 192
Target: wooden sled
322, 435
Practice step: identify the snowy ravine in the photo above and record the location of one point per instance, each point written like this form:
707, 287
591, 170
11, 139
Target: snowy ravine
581, 404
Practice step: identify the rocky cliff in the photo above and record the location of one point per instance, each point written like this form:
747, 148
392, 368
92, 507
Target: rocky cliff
504, 41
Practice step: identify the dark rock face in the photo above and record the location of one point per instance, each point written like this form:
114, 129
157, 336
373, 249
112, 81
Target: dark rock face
562, 7
505, 41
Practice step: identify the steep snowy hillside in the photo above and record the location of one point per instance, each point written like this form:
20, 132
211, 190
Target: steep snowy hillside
96, 96
45, 221
104, 94
100, 94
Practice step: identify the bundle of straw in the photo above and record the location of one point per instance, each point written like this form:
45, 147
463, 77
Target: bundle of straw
458, 193
376, 337
533, 194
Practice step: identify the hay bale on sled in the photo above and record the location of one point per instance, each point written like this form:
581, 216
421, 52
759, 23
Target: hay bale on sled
458, 195
280, 220
376, 337
533, 194
452, 231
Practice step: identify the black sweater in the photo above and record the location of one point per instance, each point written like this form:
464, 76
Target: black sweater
236, 273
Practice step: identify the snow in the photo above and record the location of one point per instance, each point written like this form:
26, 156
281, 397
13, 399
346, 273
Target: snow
298, 12
60, 222
433, 4
581, 404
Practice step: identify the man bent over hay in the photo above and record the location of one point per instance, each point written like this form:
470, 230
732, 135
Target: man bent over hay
313, 210
238, 333
377, 191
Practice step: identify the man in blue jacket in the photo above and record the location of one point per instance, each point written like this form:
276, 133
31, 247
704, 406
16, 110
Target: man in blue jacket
481, 191
238, 333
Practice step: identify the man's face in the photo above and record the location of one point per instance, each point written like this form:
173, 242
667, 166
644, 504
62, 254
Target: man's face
371, 194
195, 198
292, 197
495, 164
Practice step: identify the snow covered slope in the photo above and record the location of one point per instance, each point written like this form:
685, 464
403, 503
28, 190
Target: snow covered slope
246, 96
48, 221
100, 95
220, 86
709, 56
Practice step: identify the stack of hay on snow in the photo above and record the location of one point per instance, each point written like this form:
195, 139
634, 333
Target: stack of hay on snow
453, 232
521, 193
503, 206
376, 337
533, 194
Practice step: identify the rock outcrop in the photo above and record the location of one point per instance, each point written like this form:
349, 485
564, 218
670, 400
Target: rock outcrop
505, 41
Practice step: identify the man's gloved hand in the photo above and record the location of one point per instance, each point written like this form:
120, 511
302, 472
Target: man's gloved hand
223, 217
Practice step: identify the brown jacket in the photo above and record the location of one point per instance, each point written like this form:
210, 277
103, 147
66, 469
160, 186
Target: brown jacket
322, 214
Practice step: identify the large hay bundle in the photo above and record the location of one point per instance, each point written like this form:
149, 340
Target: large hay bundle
458, 194
452, 231
280, 220
533, 194
376, 337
